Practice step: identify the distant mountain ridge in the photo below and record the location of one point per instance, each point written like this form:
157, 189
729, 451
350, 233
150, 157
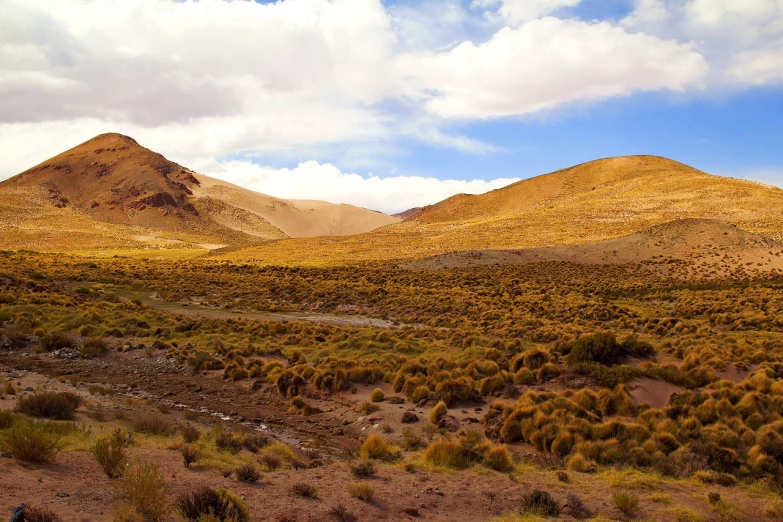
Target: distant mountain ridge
595, 201
112, 192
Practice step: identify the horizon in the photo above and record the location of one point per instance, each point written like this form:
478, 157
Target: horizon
398, 104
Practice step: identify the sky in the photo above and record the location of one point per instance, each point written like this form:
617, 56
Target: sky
399, 103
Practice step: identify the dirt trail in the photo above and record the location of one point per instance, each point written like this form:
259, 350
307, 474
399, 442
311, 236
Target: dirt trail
197, 310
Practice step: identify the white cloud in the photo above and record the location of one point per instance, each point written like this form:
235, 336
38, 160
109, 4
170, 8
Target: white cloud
517, 12
313, 180
740, 38
545, 63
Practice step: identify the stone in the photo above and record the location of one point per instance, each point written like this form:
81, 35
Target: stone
409, 418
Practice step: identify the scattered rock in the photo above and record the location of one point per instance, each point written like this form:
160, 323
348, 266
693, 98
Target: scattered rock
395, 400
409, 418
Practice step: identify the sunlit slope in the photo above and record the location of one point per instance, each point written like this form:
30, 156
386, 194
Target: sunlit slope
595, 201
110, 192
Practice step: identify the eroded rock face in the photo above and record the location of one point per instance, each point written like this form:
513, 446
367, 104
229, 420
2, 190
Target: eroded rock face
161, 199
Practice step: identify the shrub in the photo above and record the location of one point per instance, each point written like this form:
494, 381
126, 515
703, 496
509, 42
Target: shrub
190, 434
208, 504
713, 497
6, 419
368, 408
627, 503
153, 425
31, 441
438, 412
377, 447
341, 513
364, 469
144, 487
110, 454
229, 442
577, 508
8, 388
361, 490
271, 461
32, 514
55, 341
447, 453
247, 474
578, 462
92, 347
411, 440
540, 503
377, 395
49, 405
499, 459
189, 455
304, 490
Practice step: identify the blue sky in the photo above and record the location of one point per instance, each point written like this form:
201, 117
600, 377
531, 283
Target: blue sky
399, 103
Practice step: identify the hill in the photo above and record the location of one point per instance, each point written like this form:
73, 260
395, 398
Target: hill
705, 244
110, 192
595, 201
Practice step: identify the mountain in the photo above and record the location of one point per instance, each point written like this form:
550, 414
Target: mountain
703, 243
591, 202
405, 214
111, 192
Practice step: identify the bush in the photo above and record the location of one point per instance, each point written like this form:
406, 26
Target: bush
190, 434
361, 490
32, 514
110, 454
208, 504
271, 461
304, 490
144, 487
447, 453
411, 440
247, 474
368, 408
627, 503
189, 455
438, 412
340, 512
92, 347
153, 425
377, 447
499, 459
55, 341
377, 395
540, 503
6, 419
363, 469
49, 405
8, 388
577, 508
31, 441
229, 442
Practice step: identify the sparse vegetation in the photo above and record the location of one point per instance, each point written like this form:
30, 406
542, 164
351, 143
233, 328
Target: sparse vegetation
110, 454
145, 489
361, 490
49, 405
206, 503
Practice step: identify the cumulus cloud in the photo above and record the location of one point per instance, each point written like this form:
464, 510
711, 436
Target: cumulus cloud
518, 11
545, 63
314, 180
742, 39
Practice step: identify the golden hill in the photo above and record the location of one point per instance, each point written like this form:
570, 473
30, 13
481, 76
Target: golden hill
110, 192
701, 242
592, 202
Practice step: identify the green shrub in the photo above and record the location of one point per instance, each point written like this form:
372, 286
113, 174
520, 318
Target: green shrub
377, 395
55, 341
110, 454
447, 453
205, 503
438, 412
49, 405
361, 490
31, 441
153, 425
304, 490
144, 487
92, 347
499, 459
377, 447
627, 503
540, 503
